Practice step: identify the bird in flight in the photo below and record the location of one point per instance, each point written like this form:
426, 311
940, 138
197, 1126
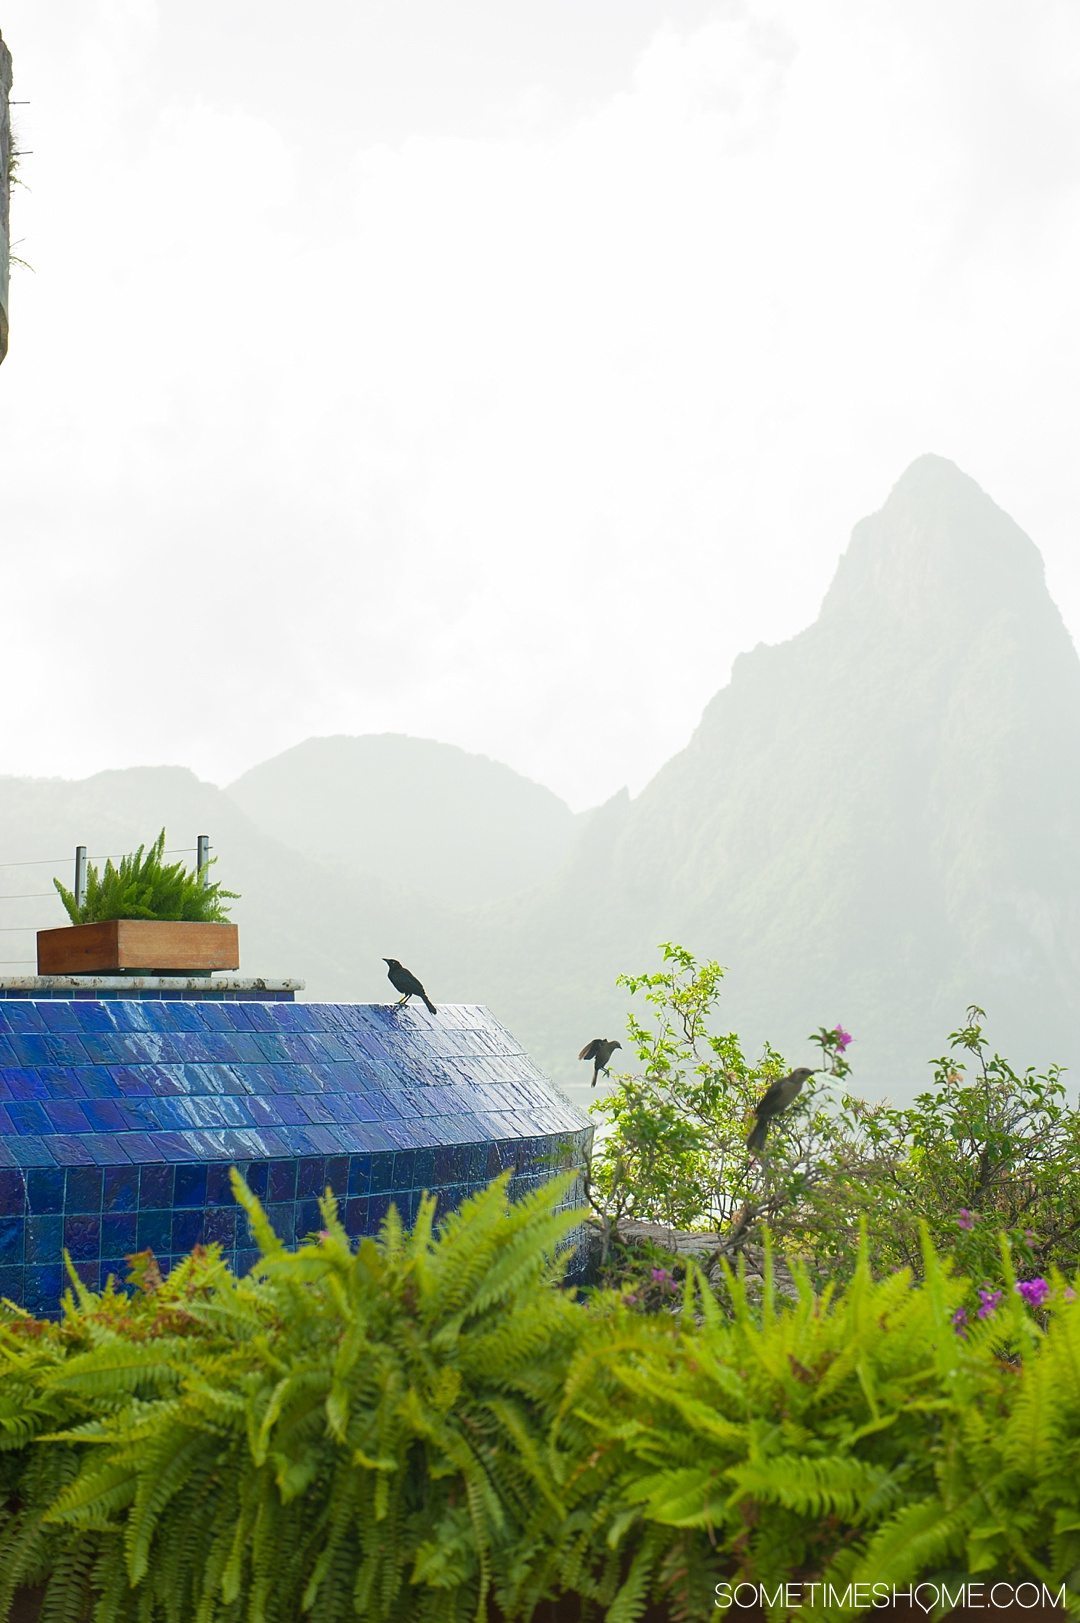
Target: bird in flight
600, 1052
778, 1096
405, 982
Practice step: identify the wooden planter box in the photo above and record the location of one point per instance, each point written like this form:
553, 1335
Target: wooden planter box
154, 947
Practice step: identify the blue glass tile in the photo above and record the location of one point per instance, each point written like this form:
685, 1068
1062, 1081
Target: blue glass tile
119, 1235
29, 1117
44, 1239
103, 1047
308, 1218
354, 1215
154, 1231
259, 1018
190, 1186
105, 1149
103, 1115
337, 1173
44, 1189
139, 1147
325, 1140
83, 1189
13, 1188
283, 1221
59, 1016
270, 1046
31, 1151
82, 1237
90, 1273
316, 1111
61, 1081
41, 1288
64, 1116
72, 1149
22, 1017
219, 1226
281, 1181
257, 1177
425, 1168
310, 1177
151, 1048
382, 1174
97, 1082
120, 1189
7, 1053
179, 1016
359, 1174
404, 1169
11, 1285
175, 1146
11, 1240
378, 1206
186, 1229
155, 1186
218, 1187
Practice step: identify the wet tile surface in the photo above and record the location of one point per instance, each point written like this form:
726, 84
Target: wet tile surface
119, 1119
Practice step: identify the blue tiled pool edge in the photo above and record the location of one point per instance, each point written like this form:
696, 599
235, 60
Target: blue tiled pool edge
120, 1118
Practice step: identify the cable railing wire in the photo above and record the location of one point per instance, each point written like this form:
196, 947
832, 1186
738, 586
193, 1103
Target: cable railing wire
109, 856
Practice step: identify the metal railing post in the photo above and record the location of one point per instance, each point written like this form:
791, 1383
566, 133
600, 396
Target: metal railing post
202, 860
80, 875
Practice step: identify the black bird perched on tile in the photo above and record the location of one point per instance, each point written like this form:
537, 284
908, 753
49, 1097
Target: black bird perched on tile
600, 1052
778, 1096
405, 982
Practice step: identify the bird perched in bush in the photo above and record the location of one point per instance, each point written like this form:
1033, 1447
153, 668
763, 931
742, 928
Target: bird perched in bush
405, 982
778, 1096
600, 1052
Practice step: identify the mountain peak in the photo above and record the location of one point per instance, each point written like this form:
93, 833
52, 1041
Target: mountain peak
940, 546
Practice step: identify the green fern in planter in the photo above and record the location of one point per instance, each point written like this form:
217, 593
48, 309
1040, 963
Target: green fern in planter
145, 887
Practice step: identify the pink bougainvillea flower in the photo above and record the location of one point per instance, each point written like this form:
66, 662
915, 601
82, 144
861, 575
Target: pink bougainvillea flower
843, 1038
964, 1219
988, 1301
959, 1320
1034, 1291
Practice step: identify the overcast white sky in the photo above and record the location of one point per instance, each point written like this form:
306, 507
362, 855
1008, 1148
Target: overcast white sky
498, 371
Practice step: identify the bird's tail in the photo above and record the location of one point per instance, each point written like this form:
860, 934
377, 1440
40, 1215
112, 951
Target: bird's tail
756, 1142
430, 1006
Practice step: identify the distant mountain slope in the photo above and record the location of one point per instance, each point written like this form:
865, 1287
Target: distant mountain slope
877, 821
458, 829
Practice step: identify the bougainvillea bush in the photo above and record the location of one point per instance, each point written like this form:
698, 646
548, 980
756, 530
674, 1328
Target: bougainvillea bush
985, 1148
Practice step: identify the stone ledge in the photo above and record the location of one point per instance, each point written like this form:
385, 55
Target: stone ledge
147, 983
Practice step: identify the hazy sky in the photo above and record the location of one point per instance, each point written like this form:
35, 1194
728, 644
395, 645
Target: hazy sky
498, 371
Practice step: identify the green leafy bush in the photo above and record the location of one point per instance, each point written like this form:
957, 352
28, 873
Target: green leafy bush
986, 1148
429, 1427
146, 887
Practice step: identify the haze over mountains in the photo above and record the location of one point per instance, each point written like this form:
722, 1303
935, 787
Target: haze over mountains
876, 822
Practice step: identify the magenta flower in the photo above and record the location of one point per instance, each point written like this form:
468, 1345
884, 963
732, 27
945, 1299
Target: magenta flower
1034, 1291
964, 1219
959, 1320
660, 1276
988, 1301
843, 1038
1070, 1294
